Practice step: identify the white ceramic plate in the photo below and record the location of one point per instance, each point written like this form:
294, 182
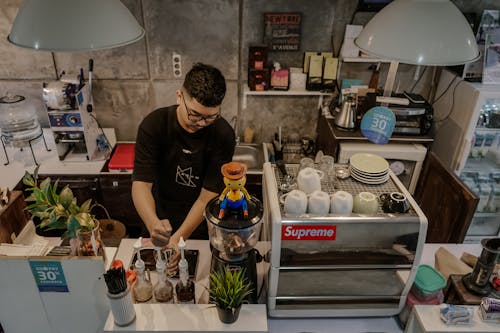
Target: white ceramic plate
368, 175
370, 181
369, 163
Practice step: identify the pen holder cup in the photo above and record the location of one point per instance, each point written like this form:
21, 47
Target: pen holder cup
122, 307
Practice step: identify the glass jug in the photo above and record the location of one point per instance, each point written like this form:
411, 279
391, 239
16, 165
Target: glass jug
18, 121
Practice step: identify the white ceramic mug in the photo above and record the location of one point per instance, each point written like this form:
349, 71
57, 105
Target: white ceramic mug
341, 203
365, 203
295, 202
319, 203
309, 180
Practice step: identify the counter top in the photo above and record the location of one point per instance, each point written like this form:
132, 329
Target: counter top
200, 315
22, 160
274, 325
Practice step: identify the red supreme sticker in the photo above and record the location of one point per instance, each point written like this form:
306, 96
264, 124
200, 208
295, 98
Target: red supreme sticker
308, 232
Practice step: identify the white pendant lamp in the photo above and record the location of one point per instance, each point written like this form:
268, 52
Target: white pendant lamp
74, 25
419, 32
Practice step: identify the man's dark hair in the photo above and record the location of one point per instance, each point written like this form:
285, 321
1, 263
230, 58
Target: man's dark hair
206, 84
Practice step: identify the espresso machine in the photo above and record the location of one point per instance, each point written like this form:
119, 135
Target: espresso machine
233, 238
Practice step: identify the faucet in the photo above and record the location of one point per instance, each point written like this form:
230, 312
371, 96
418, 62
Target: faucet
234, 124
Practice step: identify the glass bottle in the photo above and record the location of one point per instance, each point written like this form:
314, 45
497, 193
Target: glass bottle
163, 289
142, 289
185, 287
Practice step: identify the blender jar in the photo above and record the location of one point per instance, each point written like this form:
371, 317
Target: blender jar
18, 121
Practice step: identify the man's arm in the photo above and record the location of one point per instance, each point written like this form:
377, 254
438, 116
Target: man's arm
194, 217
160, 230
191, 222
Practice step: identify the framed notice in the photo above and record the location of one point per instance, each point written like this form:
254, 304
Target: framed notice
282, 31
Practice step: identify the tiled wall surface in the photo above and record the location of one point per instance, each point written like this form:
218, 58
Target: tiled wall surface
130, 81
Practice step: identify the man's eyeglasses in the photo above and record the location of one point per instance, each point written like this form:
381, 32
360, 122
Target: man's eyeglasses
195, 116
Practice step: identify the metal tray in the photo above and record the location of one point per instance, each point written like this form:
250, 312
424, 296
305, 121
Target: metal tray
332, 184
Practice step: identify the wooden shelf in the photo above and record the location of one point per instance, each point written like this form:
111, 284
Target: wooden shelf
247, 92
364, 59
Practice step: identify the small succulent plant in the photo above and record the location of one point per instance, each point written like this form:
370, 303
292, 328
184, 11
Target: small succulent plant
229, 288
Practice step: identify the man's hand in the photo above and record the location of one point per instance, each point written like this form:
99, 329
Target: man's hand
160, 234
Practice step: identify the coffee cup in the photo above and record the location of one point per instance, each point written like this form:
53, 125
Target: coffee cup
394, 202
319, 203
309, 180
365, 203
294, 202
341, 203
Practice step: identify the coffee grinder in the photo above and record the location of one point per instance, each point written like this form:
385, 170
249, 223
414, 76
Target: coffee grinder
478, 281
234, 234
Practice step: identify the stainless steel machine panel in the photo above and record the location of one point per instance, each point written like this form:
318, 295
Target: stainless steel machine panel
342, 281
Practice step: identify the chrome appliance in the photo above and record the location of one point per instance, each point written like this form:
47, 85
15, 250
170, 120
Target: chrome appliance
340, 266
76, 131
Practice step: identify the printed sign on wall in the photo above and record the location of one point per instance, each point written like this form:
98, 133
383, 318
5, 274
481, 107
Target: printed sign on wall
282, 31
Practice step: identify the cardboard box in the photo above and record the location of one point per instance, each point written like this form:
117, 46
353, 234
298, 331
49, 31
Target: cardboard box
258, 80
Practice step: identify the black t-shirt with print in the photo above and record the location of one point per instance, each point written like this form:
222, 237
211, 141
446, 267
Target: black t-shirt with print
179, 163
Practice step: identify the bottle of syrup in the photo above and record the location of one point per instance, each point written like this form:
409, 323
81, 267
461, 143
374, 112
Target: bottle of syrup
185, 287
142, 289
163, 289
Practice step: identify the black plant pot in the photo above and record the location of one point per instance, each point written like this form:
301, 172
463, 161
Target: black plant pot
227, 315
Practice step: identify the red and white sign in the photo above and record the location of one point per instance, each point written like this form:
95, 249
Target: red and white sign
308, 232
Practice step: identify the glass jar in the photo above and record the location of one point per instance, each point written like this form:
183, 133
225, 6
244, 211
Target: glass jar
18, 121
89, 243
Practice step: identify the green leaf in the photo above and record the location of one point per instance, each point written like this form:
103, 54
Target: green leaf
85, 208
28, 179
73, 226
45, 185
66, 197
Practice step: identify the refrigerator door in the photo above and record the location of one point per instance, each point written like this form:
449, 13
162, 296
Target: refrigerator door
467, 141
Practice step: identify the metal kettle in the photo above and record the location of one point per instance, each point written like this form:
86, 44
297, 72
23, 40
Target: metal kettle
345, 118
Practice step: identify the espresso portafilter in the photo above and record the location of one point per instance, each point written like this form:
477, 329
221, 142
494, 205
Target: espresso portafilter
479, 280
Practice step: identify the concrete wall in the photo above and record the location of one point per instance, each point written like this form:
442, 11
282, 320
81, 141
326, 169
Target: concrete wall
131, 81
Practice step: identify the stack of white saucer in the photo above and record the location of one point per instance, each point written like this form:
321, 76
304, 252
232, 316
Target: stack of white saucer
369, 168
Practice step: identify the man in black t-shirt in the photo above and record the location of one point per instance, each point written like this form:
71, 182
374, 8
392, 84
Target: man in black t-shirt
178, 157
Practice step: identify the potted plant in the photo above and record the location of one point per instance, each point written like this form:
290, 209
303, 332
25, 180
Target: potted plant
60, 210
228, 291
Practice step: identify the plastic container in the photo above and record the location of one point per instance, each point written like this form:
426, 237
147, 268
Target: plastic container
428, 283
412, 299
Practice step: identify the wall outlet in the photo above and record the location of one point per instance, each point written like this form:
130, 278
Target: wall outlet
176, 65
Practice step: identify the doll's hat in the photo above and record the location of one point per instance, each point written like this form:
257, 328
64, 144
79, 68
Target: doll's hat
234, 170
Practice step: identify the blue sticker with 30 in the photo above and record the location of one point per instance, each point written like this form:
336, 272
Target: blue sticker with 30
378, 124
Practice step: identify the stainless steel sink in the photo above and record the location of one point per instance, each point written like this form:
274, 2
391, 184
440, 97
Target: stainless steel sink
251, 154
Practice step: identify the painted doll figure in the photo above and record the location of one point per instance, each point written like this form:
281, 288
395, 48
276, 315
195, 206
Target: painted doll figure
234, 196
